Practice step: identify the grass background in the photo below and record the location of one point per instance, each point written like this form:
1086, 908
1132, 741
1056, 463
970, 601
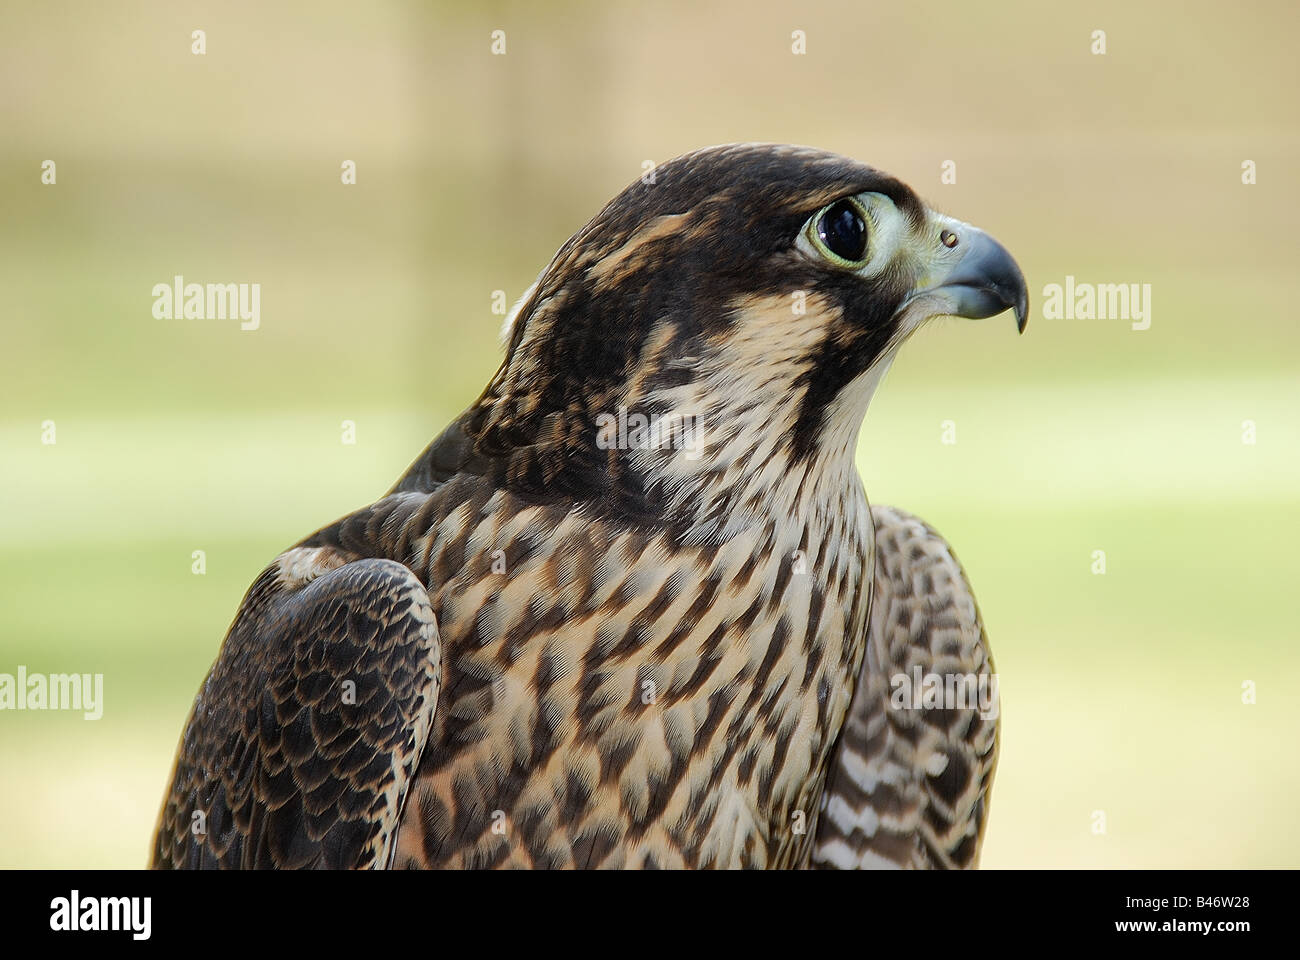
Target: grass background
1121, 693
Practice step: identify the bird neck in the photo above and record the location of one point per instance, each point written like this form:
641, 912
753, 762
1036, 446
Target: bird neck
743, 465
711, 436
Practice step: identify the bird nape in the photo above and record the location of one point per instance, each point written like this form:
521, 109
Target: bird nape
632, 608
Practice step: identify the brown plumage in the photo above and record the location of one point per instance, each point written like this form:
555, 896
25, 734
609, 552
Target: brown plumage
910, 787
561, 641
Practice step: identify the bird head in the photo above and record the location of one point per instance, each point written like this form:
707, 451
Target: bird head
756, 292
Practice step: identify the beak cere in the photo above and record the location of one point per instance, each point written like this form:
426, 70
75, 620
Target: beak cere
983, 281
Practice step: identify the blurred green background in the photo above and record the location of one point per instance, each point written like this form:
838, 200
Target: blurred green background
1121, 692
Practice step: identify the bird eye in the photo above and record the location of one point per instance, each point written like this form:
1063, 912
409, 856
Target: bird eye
839, 232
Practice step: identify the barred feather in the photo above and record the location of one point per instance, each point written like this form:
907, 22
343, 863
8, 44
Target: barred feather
545, 649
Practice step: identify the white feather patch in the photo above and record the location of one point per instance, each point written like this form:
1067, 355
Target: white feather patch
507, 328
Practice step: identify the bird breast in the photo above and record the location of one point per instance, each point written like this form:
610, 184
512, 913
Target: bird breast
614, 697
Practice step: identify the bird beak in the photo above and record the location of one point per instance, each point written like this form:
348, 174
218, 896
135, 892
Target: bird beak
981, 280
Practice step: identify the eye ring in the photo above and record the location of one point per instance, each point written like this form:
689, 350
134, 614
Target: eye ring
839, 232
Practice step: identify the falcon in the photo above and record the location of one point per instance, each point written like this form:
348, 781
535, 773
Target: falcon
632, 608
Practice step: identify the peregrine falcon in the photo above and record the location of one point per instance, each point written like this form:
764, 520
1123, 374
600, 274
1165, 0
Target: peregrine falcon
632, 608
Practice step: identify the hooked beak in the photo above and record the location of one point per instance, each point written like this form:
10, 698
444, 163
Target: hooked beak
975, 277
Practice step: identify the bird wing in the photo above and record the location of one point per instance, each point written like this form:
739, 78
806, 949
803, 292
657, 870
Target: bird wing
910, 787
304, 736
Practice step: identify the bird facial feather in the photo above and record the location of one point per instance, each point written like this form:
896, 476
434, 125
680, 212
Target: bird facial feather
717, 295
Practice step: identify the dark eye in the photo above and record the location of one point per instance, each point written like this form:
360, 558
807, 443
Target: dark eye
842, 231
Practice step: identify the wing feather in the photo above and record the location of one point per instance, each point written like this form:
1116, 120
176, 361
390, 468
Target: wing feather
909, 787
303, 738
